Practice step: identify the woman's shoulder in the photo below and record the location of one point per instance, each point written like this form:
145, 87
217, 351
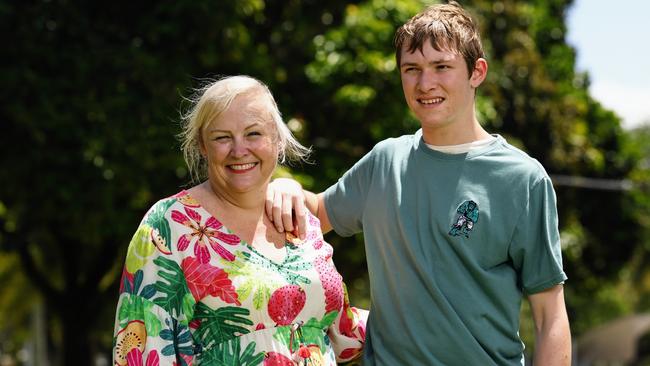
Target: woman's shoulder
158, 210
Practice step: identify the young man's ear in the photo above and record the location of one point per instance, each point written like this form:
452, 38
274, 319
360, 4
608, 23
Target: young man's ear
479, 73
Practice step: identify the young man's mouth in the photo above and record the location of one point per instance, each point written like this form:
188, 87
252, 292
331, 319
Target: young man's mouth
430, 101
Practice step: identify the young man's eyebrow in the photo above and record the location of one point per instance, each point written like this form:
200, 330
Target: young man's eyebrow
432, 62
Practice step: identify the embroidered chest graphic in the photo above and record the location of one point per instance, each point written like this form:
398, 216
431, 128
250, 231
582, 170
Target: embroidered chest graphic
466, 217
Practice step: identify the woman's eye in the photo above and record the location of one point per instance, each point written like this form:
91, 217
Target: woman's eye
254, 133
221, 138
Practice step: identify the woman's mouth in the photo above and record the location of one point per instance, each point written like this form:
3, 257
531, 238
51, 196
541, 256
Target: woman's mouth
241, 168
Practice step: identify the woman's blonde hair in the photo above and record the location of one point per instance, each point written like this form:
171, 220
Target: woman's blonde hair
210, 101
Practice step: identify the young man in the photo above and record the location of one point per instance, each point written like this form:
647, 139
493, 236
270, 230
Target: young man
458, 224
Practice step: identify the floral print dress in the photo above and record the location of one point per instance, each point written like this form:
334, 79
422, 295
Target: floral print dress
193, 293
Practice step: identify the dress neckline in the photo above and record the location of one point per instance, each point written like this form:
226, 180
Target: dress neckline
224, 227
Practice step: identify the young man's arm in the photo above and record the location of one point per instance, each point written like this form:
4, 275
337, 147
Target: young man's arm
286, 205
316, 205
552, 333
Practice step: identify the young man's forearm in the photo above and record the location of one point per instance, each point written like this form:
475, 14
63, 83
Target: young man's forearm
553, 335
316, 205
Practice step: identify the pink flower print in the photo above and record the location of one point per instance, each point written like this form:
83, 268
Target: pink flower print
153, 359
204, 279
205, 234
312, 235
134, 358
351, 353
313, 221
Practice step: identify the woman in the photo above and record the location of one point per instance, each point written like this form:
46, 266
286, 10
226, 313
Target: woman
208, 280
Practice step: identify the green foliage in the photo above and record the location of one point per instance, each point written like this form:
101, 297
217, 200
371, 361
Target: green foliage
639, 268
15, 317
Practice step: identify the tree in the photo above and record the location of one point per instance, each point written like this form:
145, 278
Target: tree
92, 94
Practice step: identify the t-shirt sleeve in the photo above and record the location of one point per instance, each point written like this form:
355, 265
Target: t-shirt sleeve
535, 250
345, 200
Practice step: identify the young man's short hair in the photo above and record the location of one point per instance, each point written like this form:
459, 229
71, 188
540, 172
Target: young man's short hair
448, 27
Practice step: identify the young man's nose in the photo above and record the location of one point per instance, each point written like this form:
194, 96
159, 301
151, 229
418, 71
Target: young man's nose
428, 80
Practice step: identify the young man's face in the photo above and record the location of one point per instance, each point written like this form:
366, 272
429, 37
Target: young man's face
438, 89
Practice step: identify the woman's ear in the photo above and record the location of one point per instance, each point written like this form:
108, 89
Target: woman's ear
479, 73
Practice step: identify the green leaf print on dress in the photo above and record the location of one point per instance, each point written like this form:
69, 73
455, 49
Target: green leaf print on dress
181, 341
161, 233
257, 280
292, 263
313, 331
175, 295
140, 249
135, 304
220, 325
229, 354
135, 307
263, 276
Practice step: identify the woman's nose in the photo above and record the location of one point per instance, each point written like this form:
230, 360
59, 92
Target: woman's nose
239, 148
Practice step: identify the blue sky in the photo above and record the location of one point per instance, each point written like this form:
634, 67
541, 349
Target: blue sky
612, 39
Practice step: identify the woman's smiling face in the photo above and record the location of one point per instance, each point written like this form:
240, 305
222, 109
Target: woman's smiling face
240, 145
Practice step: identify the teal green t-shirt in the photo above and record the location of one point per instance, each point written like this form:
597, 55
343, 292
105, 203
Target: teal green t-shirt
452, 242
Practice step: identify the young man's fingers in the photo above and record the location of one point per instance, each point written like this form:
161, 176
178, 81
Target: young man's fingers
287, 216
277, 211
300, 216
268, 202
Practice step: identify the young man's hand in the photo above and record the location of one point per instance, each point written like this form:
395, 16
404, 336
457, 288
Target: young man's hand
285, 206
